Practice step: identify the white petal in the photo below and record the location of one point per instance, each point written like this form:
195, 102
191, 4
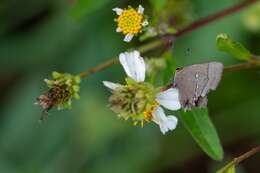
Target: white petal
111, 85
166, 123
171, 122
134, 65
169, 99
118, 11
159, 115
145, 23
128, 37
118, 29
140, 9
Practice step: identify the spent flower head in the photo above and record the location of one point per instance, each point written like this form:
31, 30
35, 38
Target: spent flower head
140, 101
130, 21
62, 88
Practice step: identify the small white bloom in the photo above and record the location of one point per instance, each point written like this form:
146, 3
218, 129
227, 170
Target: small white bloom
128, 37
118, 29
140, 9
145, 22
130, 21
118, 11
134, 65
166, 123
111, 85
169, 99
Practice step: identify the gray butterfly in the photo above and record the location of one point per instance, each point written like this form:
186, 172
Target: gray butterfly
195, 82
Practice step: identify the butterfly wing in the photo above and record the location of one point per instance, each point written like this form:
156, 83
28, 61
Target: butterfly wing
195, 81
215, 70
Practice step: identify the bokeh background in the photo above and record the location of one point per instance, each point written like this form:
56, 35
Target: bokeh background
38, 37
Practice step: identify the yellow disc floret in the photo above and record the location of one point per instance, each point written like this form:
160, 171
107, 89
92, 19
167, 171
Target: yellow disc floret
130, 21
148, 114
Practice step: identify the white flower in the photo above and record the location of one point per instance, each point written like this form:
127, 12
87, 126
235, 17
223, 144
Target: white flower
111, 85
134, 67
118, 29
140, 9
130, 21
170, 100
128, 37
118, 11
145, 23
166, 123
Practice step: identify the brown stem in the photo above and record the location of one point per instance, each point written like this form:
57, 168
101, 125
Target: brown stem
142, 49
214, 17
99, 67
238, 67
252, 63
239, 159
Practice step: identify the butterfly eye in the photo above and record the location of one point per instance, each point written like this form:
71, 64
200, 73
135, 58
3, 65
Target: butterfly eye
179, 68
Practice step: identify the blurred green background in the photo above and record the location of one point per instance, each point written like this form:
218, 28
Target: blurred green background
38, 37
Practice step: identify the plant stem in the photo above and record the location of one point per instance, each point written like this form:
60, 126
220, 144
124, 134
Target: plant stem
99, 67
142, 49
252, 63
167, 39
214, 17
239, 159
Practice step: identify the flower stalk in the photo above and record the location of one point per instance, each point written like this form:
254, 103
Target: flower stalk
239, 159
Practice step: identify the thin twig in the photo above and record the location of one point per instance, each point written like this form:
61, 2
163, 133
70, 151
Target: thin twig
252, 63
99, 67
239, 159
214, 17
142, 49
162, 41
238, 67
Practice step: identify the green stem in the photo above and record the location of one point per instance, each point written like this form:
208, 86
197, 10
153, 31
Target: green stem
239, 159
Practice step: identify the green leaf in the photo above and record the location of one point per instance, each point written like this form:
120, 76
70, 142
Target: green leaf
232, 169
236, 49
199, 125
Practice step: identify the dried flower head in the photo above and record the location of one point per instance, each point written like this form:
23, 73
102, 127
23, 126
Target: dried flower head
140, 101
62, 88
130, 21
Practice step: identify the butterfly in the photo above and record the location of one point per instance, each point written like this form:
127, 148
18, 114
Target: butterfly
194, 82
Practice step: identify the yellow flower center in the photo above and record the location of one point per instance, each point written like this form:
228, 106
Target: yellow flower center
148, 114
130, 21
